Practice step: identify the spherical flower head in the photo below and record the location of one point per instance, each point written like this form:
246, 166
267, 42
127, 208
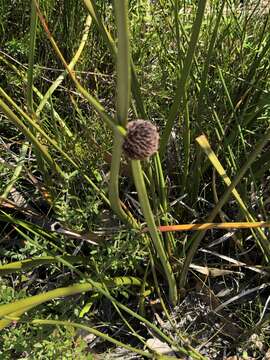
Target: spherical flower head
141, 141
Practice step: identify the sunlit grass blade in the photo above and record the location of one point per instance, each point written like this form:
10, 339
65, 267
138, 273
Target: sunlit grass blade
71, 65
92, 100
261, 238
63, 292
26, 265
13, 317
195, 241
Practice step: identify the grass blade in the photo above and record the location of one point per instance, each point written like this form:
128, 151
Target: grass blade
143, 198
31, 58
91, 99
180, 90
25, 265
94, 332
92, 8
65, 291
71, 65
196, 239
31, 137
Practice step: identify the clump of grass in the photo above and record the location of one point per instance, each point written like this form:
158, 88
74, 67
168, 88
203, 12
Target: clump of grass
188, 68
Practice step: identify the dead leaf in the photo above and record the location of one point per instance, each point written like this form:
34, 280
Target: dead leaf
267, 355
159, 347
212, 272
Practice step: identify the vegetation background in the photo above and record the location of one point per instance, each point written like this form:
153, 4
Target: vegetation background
79, 277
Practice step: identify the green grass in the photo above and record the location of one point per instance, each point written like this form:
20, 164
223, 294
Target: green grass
73, 73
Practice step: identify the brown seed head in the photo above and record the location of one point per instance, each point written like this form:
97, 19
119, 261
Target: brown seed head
141, 140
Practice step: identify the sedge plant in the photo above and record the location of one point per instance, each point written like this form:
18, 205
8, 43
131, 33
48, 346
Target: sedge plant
151, 218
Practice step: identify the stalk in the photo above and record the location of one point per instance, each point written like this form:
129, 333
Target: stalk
95, 332
169, 238
114, 198
107, 37
180, 90
143, 198
31, 58
123, 62
122, 106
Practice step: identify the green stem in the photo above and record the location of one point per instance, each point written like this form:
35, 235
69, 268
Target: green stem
122, 106
186, 143
143, 198
123, 62
170, 241
135, 86
66, 291
27, 264
31, 58
180, 90
115, 201
94, 332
